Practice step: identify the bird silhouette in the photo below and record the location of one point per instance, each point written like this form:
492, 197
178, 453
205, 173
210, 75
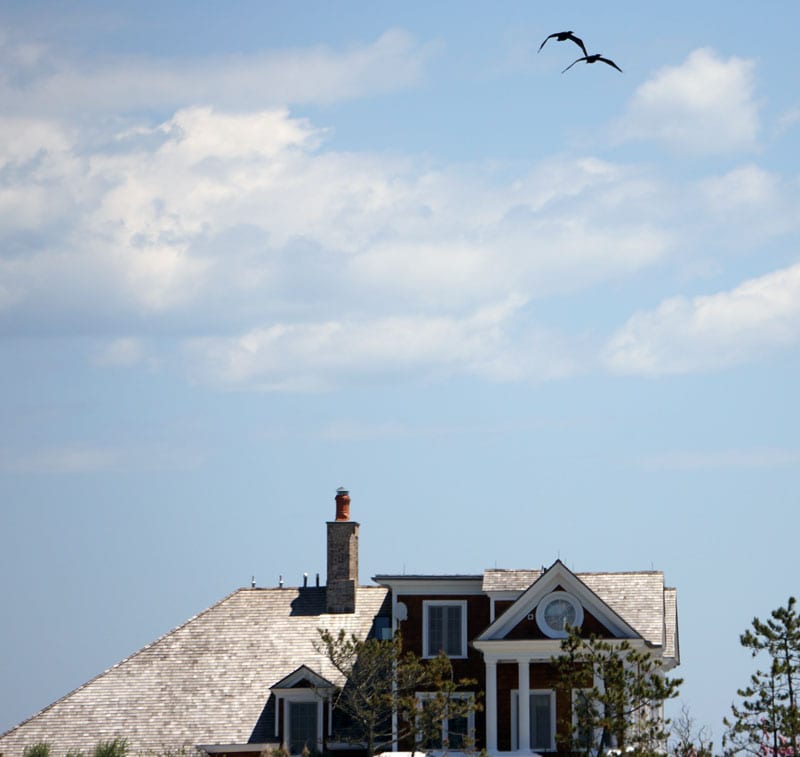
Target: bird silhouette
563, 37
593, 59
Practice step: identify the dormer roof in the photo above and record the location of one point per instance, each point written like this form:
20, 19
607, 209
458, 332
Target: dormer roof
631, 605
302, 677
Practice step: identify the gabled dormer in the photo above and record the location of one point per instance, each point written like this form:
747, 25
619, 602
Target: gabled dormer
557, 598
301, 715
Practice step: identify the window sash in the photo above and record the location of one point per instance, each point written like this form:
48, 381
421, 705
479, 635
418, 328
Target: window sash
542, 717
541, 721
445, 628
302, 726
455, 731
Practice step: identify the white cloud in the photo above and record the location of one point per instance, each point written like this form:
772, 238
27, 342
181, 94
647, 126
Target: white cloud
788, 121
711, 332
743, 188
748, 203
737, 459
246, 212
704, 105
67, 460
124, 352
42, 82
321, 355
246, 229
77, 459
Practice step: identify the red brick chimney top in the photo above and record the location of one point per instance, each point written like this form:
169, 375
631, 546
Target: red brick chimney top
342, 504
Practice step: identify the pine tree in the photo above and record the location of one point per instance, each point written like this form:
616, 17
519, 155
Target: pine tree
618, 693
383, 681
767, 721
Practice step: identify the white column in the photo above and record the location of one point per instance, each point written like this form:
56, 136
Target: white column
491, 706
524, 706
319, 725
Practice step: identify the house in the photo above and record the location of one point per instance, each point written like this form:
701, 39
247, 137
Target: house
245, 676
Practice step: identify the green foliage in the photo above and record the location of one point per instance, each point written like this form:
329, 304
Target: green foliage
74, 753
382, 679
619, 696
767, 720
40, 749
431, 696
112, 748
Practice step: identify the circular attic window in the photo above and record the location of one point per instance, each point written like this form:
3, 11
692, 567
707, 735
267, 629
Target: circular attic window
556, 612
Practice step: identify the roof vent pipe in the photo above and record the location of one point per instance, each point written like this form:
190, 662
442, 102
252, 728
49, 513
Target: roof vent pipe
305, 580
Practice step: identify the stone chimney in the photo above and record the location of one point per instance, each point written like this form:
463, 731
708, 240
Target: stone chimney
342, 557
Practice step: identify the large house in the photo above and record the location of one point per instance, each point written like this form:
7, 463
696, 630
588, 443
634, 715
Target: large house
245, 675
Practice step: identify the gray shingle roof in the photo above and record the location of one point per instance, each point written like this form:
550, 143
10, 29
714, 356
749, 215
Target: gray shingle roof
205, 682
671, 646
509, 580
638, 597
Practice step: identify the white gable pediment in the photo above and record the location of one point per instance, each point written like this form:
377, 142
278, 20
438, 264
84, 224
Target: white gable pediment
302, 677
558, 577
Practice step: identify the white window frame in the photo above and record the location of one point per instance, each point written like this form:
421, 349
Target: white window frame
462, 603
423, 696
515, 719
306, 696
541, 609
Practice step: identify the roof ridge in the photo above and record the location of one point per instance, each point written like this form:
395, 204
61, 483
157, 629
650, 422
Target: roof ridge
123, 661
579, 572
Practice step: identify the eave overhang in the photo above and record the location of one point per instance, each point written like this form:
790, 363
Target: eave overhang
431, 585
512, 650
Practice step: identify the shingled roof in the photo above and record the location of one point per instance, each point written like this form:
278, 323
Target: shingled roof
206, 682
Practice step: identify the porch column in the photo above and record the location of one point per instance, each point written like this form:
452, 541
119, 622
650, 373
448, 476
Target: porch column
491, 706
524, 705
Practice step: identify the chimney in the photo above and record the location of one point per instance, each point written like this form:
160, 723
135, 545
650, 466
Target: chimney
342, 557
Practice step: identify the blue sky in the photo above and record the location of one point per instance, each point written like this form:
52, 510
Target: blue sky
249, 255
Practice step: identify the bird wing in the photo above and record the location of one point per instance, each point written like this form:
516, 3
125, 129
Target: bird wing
611, 63
579, 42
550, 36
577, 60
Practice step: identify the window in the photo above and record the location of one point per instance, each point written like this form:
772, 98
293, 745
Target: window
444, 628
542, 708
584, 715
303, 726
453, 732
556, 612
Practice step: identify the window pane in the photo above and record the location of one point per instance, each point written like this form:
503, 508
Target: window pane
583, 720
445, 632
435, 629
541, 732
430, 725
453, 630
457, 732
303, 725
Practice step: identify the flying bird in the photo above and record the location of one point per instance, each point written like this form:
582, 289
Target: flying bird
563, 37
593, 59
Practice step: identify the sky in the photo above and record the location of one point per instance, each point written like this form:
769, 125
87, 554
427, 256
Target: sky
252, 252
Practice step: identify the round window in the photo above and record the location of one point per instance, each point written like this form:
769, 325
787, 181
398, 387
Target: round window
557, 612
